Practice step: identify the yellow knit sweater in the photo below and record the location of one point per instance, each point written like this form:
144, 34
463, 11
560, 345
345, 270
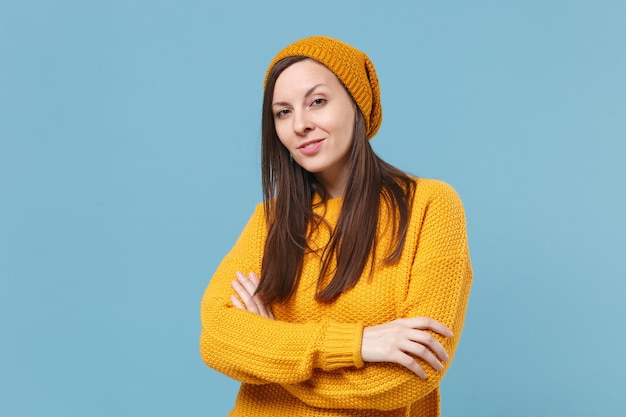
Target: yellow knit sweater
307, 361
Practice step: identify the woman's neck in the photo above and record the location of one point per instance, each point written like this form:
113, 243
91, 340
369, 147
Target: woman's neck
334, 183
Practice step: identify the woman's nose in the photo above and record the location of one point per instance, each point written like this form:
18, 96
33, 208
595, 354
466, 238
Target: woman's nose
302, 123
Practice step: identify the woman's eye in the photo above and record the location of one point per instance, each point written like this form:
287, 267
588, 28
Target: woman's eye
318, 101
282, 113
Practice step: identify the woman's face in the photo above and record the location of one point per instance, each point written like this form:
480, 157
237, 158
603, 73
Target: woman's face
314, 118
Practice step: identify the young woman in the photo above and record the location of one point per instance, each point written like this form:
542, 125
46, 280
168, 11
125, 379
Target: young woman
346, 292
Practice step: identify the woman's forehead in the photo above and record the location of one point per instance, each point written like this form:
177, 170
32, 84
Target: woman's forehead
300, 77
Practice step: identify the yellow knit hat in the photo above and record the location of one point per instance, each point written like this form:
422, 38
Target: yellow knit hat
351, 66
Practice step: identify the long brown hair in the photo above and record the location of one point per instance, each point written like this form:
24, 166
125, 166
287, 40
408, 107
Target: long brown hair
288, 192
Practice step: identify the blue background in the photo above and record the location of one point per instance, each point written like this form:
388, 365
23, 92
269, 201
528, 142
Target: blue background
129, 163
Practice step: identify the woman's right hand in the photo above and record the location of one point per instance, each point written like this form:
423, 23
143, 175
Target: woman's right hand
402, 340
245, 288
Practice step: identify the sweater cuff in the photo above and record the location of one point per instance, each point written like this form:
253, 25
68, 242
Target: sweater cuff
342, 347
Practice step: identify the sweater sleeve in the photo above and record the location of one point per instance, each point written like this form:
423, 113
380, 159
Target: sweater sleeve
257, 350
439, 287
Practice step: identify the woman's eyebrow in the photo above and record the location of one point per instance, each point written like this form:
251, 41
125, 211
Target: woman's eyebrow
312, 89
308, 93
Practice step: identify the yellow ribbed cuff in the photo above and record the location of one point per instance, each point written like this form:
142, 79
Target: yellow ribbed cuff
342, 347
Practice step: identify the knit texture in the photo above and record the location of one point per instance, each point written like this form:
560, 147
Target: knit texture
353, 68
307, 361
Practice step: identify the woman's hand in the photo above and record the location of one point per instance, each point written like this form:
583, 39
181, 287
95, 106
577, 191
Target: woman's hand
245, 287
397, 340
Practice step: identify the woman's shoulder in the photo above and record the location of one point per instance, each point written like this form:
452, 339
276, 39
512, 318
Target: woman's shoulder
433, 187
257, 218
429, 190
259, 209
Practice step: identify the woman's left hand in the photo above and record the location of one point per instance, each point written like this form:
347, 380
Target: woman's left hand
245, 287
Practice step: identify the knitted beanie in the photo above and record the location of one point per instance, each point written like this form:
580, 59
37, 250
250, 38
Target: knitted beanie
351, 66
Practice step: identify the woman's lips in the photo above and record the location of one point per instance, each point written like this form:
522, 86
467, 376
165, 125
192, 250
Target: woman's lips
311, 147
